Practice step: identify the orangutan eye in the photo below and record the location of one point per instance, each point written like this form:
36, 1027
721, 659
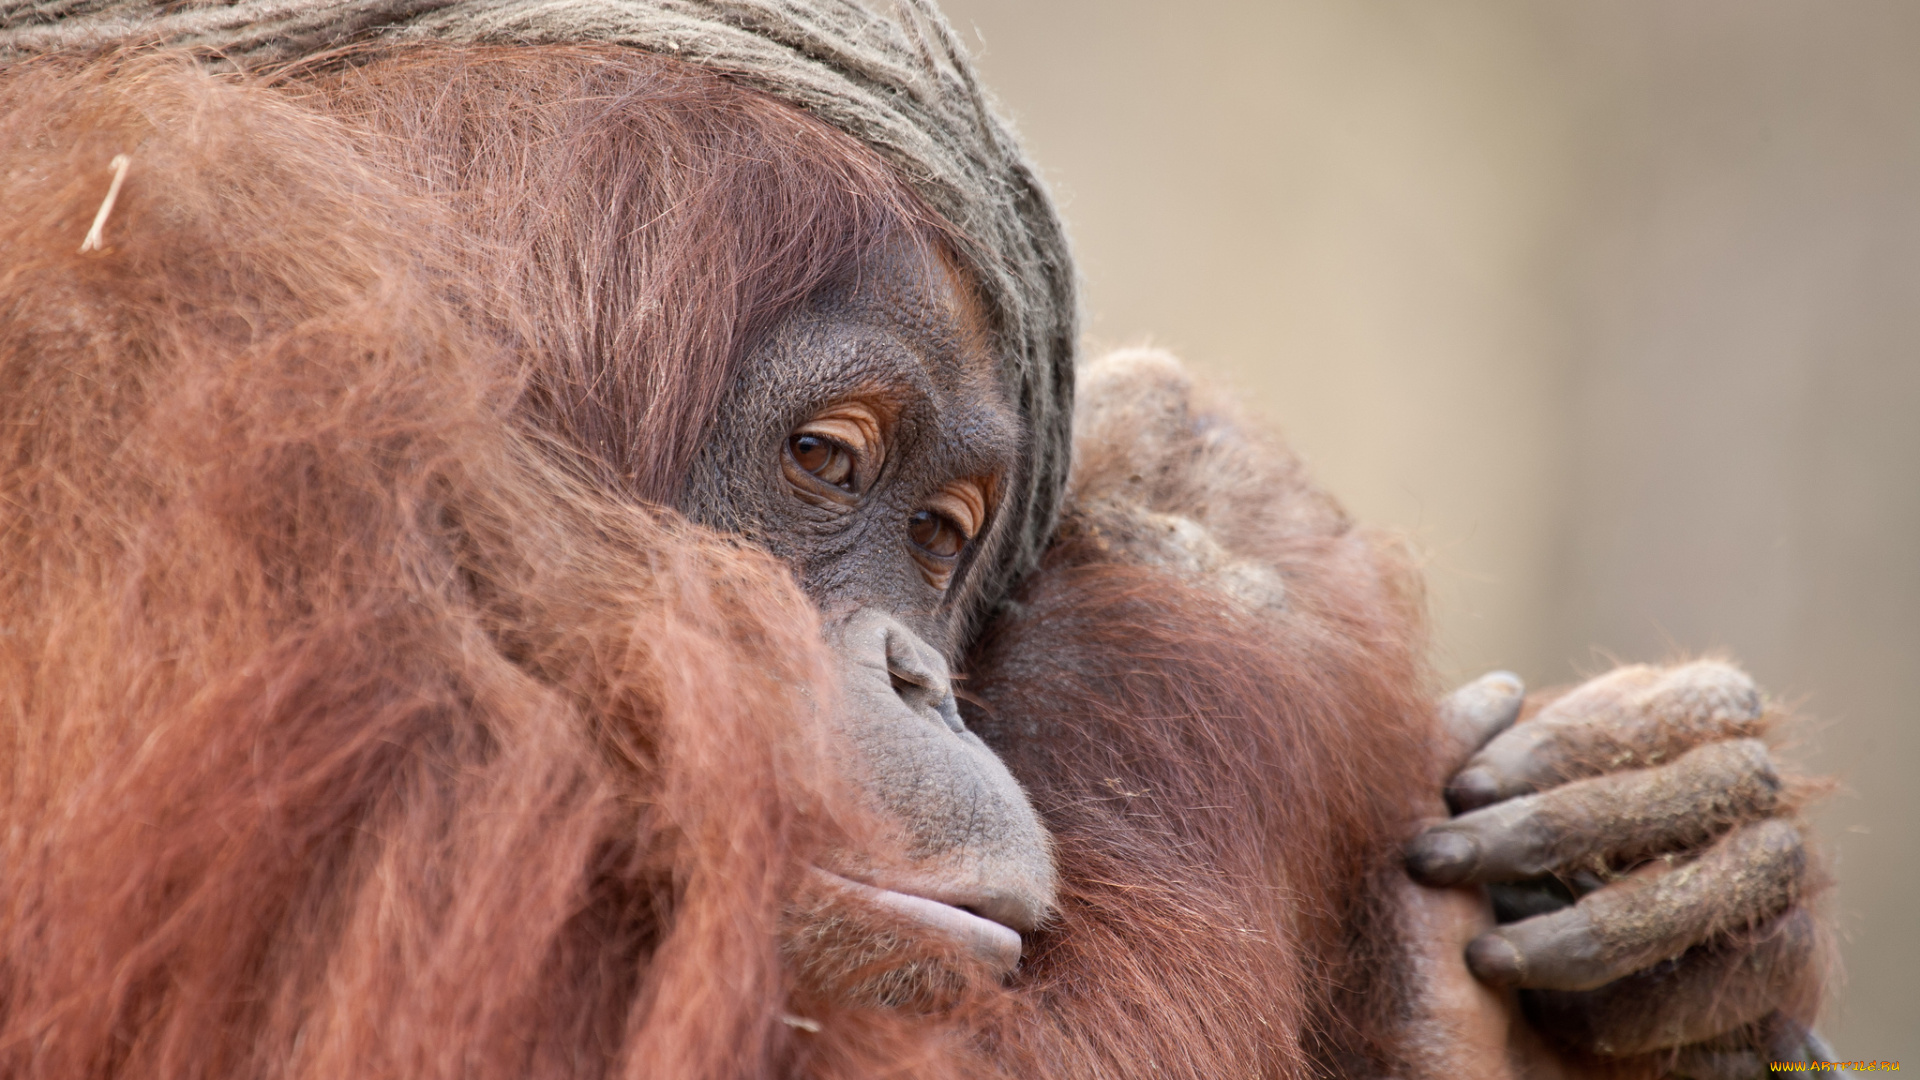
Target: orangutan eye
942, 529
936, 535
838, 453
825, 458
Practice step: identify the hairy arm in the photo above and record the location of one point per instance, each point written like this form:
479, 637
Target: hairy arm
1644, 794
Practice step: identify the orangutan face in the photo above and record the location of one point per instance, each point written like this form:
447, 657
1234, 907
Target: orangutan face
867, 443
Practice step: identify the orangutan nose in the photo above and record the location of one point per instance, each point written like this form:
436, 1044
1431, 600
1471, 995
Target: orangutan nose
919, 676
888, 670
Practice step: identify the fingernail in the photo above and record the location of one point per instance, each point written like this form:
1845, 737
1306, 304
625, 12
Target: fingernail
1493, 959
1442, 857
1471, 790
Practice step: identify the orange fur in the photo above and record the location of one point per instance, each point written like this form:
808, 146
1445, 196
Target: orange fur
348, 735
356, 729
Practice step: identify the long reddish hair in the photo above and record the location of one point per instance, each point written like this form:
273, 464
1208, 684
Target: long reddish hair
1227, 787
354, 728
649, 219
350, 731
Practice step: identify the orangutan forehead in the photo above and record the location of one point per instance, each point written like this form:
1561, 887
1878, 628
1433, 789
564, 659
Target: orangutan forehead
905, 333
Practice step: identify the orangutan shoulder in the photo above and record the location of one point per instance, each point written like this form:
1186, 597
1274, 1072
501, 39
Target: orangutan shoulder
1166, 474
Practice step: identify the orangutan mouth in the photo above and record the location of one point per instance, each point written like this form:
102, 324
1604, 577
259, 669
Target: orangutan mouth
994, 944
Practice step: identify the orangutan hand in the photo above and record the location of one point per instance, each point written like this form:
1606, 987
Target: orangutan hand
1642, 857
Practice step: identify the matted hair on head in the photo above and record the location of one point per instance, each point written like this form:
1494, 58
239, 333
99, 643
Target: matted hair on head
727, 208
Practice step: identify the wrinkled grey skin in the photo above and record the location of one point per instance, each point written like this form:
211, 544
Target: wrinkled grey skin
902, 332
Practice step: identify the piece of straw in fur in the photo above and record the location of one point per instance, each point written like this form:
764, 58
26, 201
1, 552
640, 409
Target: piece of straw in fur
94, 242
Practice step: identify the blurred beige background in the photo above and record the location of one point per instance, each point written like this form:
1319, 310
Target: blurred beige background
1614, 305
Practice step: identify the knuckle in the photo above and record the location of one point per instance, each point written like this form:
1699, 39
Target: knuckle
1711, 688
1722, 784
1603, 694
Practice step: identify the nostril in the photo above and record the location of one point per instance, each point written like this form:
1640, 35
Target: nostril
920, 696
949, 711
911, 689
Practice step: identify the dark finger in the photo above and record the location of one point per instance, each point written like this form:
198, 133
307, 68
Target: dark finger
1477, 712
1629, 718
1706, 992
1750, 875
1603, 820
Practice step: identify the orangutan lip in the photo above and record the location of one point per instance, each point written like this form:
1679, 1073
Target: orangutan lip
995, 944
